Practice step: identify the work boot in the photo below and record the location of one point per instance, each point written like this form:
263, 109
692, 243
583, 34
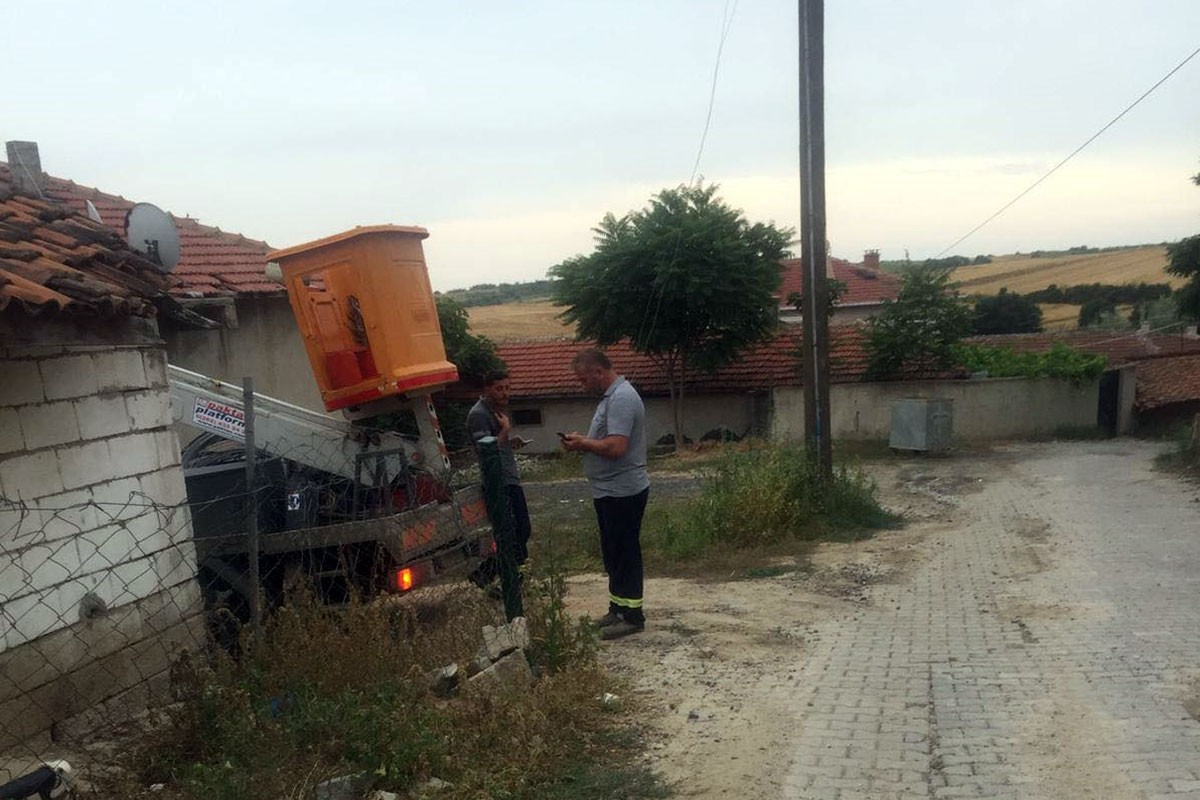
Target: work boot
608, 620
621, 629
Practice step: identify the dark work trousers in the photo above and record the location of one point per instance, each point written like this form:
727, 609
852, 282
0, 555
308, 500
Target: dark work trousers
620, 520
517, 549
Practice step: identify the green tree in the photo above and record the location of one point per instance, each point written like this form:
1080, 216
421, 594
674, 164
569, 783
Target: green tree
920, 329
1006, 312
1183, 261
473, 355
1097, 313
687, 280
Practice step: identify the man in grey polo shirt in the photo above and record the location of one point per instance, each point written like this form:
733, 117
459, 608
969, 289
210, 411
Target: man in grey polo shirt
614, 460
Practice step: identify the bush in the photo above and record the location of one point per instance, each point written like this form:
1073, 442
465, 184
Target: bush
1059, 362
765, 496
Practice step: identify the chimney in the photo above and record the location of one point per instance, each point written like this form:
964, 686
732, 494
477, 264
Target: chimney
871, 259
25, 169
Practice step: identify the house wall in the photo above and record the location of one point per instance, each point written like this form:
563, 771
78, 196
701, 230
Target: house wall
998, 408
97, 570
266, 345
842, 315
701, 415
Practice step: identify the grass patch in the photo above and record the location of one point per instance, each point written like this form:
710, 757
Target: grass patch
557, 466
323, 692
769, 496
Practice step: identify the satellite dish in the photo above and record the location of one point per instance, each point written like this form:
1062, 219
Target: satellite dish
92, 213
152, 233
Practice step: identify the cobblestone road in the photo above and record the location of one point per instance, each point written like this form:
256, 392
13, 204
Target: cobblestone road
1046, 647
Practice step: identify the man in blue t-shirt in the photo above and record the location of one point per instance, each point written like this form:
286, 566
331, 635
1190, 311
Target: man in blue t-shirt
614, 460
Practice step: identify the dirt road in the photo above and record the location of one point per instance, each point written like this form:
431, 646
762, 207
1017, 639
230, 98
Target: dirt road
1032, 633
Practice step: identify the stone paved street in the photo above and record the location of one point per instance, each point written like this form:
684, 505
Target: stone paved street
1047, 645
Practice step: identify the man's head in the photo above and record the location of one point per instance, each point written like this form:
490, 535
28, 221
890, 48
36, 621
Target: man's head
594, 370
495, 389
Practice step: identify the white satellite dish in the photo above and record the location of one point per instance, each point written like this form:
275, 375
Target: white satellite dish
152, 233
92, 213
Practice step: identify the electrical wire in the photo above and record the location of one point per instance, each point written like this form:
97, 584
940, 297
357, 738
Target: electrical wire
1074, 153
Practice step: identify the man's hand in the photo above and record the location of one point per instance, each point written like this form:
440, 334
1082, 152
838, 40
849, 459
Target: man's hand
502, 420
573, 441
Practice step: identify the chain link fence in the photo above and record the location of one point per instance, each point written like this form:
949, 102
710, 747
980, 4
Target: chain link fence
99, 598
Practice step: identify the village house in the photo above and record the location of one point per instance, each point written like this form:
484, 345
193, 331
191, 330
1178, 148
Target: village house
865, 289
98, 587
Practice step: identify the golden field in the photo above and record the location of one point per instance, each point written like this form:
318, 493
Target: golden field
1023, 274
531, 319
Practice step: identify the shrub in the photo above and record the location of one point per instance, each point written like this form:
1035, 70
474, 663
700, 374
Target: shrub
767, 495
1059, 362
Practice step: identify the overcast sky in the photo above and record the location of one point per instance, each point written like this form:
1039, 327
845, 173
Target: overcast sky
509, 129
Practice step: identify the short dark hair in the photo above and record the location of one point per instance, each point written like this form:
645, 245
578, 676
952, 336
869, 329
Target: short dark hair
590, 357
494, 376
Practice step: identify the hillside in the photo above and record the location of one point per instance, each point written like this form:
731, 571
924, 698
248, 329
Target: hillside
1020, 273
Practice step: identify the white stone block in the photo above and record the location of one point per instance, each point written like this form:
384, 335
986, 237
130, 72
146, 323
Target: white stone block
166, 486
68, 377
134, 454
84, 464
68, 514
19, 526
118, 499
150, 409
131, 581
11, 439
31, 475
102, 416
104, 549
22, 383
47, 565
169, 450
119, 370
48, 424
154, 361
31, 616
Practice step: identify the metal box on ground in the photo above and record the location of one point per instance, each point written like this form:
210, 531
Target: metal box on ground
922, 424
366, 312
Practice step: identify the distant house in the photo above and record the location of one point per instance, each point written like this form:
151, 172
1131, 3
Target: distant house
220, 275
867, 287
98, 587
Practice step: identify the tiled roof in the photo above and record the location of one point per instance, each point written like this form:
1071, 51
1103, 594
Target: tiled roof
211, 263
1120, 348
52, 259
543, 368
1166, 381
864, 285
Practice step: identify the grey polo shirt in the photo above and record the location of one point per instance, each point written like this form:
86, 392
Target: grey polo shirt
620, 412
481, 422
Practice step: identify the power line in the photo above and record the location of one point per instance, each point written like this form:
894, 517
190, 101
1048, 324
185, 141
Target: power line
1074, 153
726, 25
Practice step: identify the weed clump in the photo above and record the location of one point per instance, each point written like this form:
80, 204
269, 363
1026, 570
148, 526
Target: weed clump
768, 495
320, 692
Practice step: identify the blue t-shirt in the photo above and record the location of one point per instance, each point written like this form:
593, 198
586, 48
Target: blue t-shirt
622, 413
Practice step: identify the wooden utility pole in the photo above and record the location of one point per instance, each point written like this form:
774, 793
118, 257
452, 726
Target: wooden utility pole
814, 251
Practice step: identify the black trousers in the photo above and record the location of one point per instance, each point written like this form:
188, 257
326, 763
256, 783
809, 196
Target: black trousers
517, 549
620, 520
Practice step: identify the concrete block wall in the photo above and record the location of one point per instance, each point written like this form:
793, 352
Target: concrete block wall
97, 568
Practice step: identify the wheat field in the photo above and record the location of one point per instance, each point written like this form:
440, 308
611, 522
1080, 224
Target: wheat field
531, 319
1023, 274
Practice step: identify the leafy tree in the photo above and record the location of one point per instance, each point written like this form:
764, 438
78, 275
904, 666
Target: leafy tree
834, 289
687, 280
1006, 312
1183, 260
473, 355
1095, 311
920, 329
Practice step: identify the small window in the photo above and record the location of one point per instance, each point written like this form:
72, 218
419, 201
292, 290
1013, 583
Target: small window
526, 416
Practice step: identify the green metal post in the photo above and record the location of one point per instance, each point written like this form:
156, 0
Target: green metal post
503, 530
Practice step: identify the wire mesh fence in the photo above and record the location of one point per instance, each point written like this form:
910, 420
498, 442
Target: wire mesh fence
100, 597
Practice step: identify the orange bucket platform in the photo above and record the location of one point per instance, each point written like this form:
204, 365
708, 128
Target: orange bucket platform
365, 310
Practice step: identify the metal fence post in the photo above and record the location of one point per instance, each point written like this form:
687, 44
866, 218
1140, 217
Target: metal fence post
251, 501
504, 530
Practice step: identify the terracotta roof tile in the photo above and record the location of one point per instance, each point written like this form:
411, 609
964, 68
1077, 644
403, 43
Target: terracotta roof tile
543, 368
52, 259
203, 250
1120, 348
864, 285
1166, 381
